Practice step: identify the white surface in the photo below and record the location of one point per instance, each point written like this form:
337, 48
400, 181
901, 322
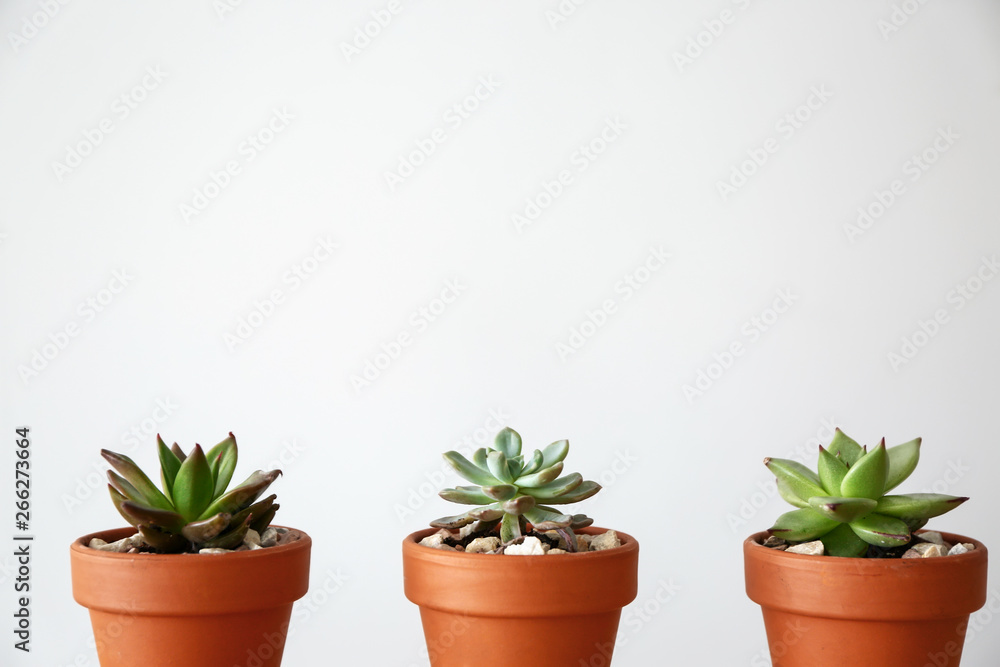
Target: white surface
675, 470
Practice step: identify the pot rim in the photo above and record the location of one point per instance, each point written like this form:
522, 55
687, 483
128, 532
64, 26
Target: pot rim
412, 547
79, 547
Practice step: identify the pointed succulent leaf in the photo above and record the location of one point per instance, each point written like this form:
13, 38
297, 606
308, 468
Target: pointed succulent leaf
479, 459
554, 453
881, 530
831, 472
785, 491
518, 506
556, 487
843, 510
255, 511
469, 471
510, 528
243, 495
799, 480
582, 492
802, 525
467, 495
230, 539
203, 531
545, 520
535, 464
165, 543
117, 499
867, 477
169, 465
137, 478
918, 505
171, 522
581, 521
514, 468
542, 477
914, 524
498, 492
222, 459
178, 452
902, 462
842, 542
486, 514
121, 485
845, 448
452, 522
498, 467
508, 441
194, 486
262, 521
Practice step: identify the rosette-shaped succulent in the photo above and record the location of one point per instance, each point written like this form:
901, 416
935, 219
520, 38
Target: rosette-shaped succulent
194, 510
845, 505
513, 490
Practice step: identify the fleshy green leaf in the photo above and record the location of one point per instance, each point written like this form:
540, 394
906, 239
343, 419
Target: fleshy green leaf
486, 514
498, 466
510, 528
841, 541
788, 495
498, 492
918, 505
137, 478
193, 486
544, 520
535, 464
843, 510
243, 495
262, 521
802, 525
881, 530
799, 480
518, 506
902, 462
582, 492
845, 448
171, 522
471, 472
117, 499
831, 472
867, 477
169, 465
222, 460
556, 487
542, 477
255, 511
479, 458
203, 531
121, 485
230, 539
453, 522
508, 441
167, 543
555, 453
467, 495
514, 467
178, 452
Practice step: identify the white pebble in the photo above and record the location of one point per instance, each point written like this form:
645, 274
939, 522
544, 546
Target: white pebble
814, 548
532, 546
482, 545
553, 552
934, 537
252, 539
929, 550
269, 538
608, 540
958, 549
214, 551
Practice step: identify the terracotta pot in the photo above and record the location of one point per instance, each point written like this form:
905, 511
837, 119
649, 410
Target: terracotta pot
821, 611
160, 610
533, 611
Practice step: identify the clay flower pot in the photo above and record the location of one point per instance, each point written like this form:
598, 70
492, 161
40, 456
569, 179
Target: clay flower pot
160, 610
533, 611
822, 611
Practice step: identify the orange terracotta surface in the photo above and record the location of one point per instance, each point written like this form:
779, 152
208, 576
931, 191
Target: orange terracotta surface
821, 611
219, 610
557, 610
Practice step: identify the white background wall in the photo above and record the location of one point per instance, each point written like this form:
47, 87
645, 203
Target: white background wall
688, 474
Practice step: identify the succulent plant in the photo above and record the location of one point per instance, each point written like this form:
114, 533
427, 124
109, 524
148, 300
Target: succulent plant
511, 489
194, 510
845, 505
